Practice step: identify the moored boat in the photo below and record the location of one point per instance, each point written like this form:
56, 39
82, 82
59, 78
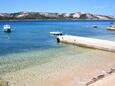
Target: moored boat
112, 28
7, 28
56, 33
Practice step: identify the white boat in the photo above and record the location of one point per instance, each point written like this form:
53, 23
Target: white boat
112, 28
7, 28
56, 33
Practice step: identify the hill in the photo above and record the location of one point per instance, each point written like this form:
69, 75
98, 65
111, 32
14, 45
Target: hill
48, 15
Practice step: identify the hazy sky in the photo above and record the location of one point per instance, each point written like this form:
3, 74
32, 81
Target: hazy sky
92, 6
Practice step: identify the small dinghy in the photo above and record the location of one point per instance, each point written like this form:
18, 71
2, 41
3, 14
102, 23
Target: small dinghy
7, 28
111, 28
56, 33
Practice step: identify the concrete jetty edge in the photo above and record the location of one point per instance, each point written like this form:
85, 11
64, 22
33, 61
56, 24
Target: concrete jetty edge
88, 42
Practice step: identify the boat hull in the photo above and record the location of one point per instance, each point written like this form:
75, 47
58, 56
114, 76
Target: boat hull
111, 29
7, 30
56, 33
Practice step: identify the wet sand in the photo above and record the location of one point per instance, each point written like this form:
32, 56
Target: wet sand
64, 71
107, 81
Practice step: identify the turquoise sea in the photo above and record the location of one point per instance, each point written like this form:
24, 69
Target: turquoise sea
34, 35
30, 43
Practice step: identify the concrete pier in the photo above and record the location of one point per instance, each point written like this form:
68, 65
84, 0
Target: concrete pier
88, 42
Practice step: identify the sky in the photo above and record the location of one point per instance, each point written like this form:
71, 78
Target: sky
63, 6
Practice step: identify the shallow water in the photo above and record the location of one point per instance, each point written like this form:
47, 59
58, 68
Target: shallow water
70, 66
30, 45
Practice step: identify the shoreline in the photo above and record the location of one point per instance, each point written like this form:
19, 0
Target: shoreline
100, 77
63, 71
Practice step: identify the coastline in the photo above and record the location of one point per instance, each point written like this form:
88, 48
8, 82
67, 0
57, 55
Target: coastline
102, 79
62, 71
106, 81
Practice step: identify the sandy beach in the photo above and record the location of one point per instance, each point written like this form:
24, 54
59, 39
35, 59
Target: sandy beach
107, 81
63, 71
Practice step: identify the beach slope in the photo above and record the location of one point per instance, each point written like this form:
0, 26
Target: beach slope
107, 81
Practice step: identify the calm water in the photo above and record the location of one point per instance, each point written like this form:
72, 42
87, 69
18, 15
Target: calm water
31, 35
30, 42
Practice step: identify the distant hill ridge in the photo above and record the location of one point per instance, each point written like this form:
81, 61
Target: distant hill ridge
49, 15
